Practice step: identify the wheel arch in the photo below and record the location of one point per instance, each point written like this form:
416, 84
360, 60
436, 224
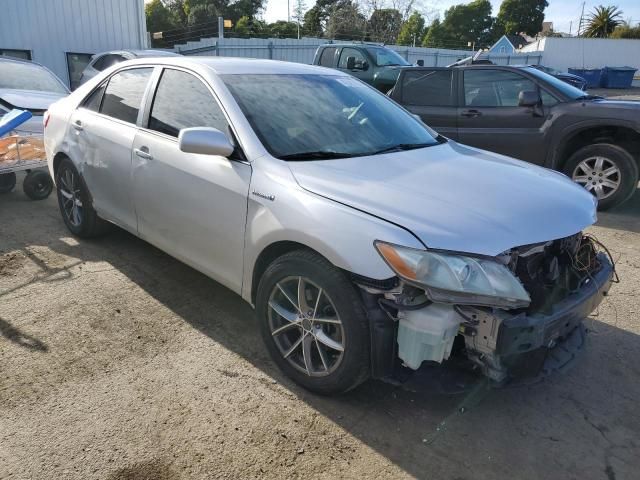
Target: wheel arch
620, 134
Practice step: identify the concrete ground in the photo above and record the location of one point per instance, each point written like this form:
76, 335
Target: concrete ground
118, 362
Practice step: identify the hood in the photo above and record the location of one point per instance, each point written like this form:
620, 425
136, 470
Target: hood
454, 197
29, 99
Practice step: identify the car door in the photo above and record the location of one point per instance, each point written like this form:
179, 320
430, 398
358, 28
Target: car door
363, 67
430, 94
103, 129
490, 118
192, 206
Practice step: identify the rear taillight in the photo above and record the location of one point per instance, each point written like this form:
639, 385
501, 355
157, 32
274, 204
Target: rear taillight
45, 119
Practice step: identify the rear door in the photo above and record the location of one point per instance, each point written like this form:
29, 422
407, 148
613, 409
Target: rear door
430, 93
489, 116
192, 206
103, 131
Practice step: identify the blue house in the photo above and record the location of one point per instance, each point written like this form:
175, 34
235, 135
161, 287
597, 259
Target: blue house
508, 44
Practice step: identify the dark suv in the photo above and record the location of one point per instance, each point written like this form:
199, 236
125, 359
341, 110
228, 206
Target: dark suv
525, 113
376, 65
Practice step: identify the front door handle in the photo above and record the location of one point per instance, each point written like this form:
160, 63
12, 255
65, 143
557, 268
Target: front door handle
471, 113
78, 125
143, 152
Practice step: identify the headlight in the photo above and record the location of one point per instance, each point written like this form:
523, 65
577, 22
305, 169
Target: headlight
454, 278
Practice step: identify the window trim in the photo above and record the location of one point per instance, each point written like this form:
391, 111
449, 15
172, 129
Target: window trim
463, 95
362, 54
452, 88
150, 95
107, 80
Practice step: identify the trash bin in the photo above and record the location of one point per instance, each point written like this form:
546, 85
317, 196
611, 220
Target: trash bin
591, 75
617, 77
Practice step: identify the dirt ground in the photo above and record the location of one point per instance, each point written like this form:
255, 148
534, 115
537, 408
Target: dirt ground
118, 362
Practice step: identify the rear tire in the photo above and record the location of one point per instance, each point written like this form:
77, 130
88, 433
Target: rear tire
611, 156
37, 185
337, 355
75, 205
7, 182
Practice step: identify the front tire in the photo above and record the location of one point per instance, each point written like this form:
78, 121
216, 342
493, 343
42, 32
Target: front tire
313, 323
75, 203
607, 171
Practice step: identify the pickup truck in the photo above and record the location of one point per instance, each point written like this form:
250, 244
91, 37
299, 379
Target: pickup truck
376, 65
530, 115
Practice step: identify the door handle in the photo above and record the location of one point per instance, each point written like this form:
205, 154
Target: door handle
78, 125
143, 152
471, 113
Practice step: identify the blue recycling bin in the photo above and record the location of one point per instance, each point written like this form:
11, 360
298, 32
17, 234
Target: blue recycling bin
591, 75
617, 77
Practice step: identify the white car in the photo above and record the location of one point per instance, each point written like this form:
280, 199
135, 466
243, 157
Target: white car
366, 242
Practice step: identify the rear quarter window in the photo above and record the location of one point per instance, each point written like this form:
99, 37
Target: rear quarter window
327, 57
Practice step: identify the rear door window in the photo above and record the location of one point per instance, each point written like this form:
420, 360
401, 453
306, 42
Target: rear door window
427, 87
183, 101
327, 56
124, 93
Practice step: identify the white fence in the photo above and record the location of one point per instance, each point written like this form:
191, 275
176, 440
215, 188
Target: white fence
303, 50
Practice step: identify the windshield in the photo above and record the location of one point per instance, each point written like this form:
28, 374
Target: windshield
29, 76
384, 57
569, 91
337, 116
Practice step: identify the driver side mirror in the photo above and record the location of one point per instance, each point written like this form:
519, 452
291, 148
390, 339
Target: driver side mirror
529, 99
353, 64
205, 141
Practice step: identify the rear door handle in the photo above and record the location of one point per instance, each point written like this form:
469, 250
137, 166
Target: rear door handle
471, 113
143, 152
78, 125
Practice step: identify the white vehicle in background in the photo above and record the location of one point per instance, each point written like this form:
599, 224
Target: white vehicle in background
367, 242
104, 60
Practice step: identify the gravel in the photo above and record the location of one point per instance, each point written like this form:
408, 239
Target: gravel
119, 362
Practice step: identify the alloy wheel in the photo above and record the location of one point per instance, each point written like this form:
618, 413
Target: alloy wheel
598, 175
69, 189
306, 327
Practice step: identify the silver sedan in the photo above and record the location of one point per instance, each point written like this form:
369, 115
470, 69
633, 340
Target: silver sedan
366, 242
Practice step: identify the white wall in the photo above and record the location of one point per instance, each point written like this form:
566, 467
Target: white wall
564, 53
50, 28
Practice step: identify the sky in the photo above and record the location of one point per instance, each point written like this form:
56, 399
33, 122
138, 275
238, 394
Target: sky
560, 12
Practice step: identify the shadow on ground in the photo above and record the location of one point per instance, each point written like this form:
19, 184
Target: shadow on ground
583, 417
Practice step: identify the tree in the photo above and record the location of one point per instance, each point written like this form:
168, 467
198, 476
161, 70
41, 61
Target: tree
159, 17
625, 30
603, 21
522, 16
313, 22
412, 30
283, 29
435, 35
345, 20
384, 25
298, 14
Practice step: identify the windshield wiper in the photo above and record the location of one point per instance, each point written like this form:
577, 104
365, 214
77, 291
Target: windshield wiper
402, 147
590, 97
316, 155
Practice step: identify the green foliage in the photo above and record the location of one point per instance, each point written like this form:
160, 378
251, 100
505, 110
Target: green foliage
462, 24
603, 21
159, 17
435, 35
384, 25
521, 16
283, 29
344, 20
412, 30
312, 25
626, 31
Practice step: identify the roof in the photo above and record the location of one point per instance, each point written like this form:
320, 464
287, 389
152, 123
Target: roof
517, 40
245, 66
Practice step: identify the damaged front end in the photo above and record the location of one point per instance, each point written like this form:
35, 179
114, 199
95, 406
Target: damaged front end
518, 315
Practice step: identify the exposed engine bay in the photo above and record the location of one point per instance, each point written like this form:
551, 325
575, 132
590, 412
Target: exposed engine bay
566, 279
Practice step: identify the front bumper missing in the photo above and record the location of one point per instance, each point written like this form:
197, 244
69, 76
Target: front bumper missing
509, 346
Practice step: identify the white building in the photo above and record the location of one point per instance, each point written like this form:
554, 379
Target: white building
64, 34
586, 53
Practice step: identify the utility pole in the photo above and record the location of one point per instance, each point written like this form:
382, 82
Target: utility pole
289, 12
581, 16
570, 25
